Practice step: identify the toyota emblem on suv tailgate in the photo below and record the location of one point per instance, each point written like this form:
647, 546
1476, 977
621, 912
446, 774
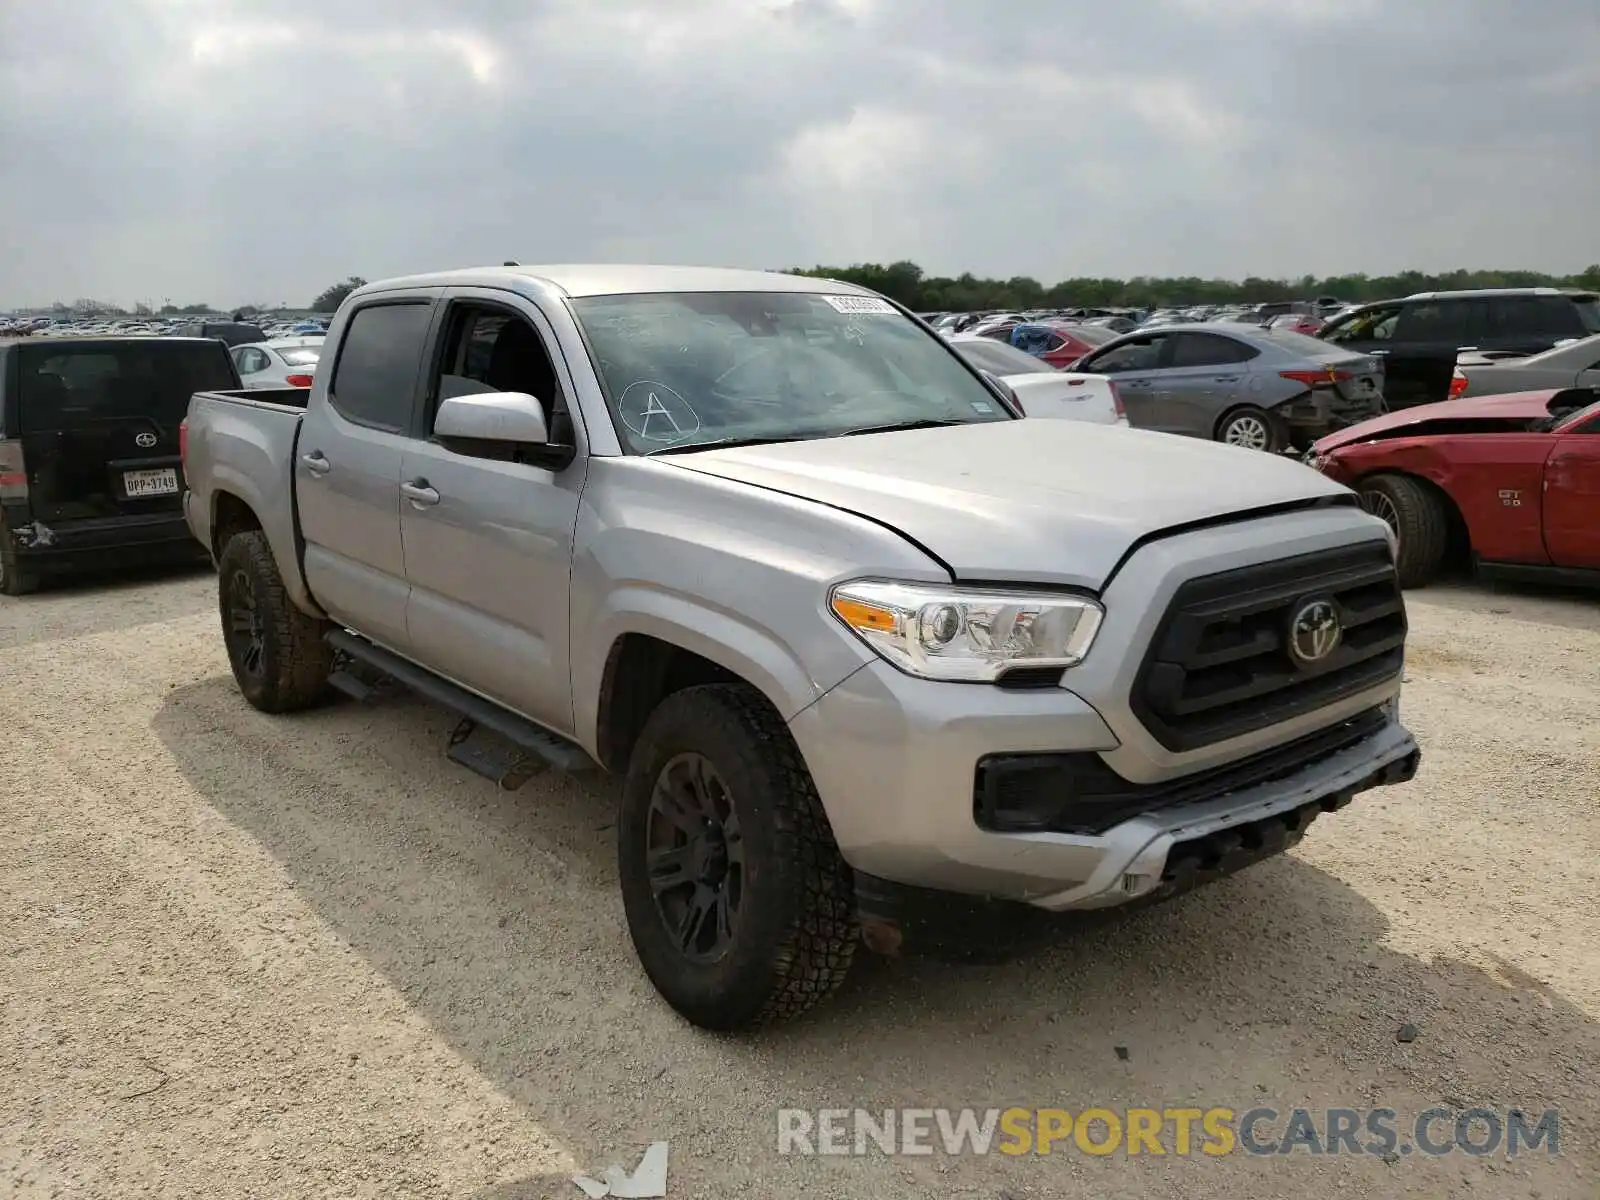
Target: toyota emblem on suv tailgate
146, 440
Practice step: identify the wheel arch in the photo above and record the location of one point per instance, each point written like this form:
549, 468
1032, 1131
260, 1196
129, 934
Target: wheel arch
657, 644
1458, 547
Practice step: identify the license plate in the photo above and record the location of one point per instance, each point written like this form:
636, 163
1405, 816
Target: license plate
160, 482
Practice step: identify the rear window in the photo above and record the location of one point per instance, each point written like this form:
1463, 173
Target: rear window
302, 356
1091, 335
1588, 312
1301, 343
999, 359
62, 388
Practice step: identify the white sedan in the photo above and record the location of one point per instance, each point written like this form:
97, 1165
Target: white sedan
280, 363
1043, 390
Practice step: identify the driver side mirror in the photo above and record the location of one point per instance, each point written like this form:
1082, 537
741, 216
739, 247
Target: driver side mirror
501, 417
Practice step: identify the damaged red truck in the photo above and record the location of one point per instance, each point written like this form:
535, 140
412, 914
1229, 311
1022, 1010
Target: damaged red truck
1509, 483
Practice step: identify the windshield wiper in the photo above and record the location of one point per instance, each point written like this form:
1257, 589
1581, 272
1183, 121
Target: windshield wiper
898, 426
722, 443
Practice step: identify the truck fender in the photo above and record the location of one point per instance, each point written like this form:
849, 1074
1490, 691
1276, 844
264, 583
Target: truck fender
753, 653
233, 489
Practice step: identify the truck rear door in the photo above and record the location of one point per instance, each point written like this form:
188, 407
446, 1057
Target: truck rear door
98, 423
347, 464
1572, 495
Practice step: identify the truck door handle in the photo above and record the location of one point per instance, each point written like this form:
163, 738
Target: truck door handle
1226, 379
419, 493
316, 463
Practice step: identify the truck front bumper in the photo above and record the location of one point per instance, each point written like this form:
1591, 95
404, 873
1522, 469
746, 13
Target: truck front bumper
896, 759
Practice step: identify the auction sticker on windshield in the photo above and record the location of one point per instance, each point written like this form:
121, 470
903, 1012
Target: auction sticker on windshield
860, 304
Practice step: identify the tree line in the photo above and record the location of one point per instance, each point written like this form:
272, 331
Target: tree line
906, 282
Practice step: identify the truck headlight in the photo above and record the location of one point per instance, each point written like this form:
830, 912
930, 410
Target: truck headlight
971, 635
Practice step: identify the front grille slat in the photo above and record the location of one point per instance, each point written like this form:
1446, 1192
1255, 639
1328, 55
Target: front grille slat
1219, 665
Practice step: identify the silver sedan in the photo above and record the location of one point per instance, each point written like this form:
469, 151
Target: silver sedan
1265, 389
1574, 364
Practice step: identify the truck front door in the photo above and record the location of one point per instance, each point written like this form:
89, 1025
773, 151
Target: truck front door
1572, 495
347, 467
488, 540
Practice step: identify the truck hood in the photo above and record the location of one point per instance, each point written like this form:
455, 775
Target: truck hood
1024, 501
1504, 406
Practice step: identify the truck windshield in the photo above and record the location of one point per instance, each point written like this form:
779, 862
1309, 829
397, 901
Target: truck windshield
65, 387
682, 369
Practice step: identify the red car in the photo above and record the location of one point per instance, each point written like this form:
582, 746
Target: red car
1511, 481
1058, 343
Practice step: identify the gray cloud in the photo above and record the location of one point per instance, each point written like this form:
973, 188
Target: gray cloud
234, 150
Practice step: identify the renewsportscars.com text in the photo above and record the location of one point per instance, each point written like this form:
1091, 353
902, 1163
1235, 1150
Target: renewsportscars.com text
1176, 1131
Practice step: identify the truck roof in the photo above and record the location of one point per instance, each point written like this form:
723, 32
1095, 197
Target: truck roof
612, 279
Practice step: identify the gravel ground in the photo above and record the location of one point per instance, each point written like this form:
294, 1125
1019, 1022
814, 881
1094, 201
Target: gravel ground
248, 956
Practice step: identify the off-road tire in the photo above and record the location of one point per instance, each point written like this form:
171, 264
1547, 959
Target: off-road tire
14, 581
1276, 428
1420, 522
796, 932
295, 661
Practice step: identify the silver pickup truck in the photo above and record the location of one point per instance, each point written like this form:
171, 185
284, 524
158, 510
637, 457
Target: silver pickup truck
873, 654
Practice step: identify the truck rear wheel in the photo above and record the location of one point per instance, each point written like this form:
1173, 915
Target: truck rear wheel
739, 906
276, 651
1419, 520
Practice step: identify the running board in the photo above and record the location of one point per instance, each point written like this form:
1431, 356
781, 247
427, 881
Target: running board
477, 716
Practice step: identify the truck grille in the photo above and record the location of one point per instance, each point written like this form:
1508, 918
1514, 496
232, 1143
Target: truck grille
1223, 662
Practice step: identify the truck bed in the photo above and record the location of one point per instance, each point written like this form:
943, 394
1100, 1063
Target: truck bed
294, 398
240, 457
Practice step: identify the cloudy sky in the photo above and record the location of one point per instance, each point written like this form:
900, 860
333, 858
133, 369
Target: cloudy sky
233, 150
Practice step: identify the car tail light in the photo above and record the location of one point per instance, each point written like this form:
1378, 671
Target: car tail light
298, 381
1458, 384
1116, 401
1317, 378
183, 444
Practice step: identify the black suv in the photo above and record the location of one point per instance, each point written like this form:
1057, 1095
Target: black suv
90, 471
1419, 337
231, 333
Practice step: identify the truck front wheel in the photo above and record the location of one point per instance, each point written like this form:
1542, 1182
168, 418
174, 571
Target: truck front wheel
276, 651
739, 906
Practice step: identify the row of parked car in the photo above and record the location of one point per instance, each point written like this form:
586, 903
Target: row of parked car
1272, 386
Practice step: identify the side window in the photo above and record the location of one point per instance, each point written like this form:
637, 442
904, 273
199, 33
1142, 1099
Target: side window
375, 377
1560, 317
1434, 321
1207, 350
1141, 354
493, 350
1529, 317
1373, 325
251, 360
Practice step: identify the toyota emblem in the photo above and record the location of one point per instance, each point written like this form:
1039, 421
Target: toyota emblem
146, 440
1314, 633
